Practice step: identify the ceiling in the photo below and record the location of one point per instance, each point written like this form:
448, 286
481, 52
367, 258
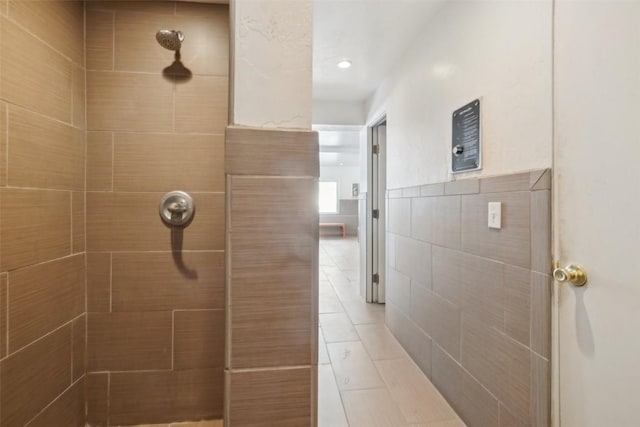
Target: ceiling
373, 34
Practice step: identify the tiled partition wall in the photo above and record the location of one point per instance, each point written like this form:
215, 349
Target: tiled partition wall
272, 277
42, 244
472, 304
156, 306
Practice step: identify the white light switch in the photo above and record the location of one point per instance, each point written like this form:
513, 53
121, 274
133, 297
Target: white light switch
495, 215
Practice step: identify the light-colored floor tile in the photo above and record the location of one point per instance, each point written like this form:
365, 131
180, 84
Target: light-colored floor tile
418, 400
361, 312
352, 366
323, 354
372, 408
337, 327
328, 301
330, 409
347, 293
379, 342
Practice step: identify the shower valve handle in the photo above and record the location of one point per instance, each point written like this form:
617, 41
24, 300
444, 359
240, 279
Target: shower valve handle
178, 207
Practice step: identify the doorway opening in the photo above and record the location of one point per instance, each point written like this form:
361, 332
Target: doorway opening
376, 212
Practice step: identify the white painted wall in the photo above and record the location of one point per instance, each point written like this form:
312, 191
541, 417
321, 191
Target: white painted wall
272, 63
498, 50
344, 175
338, 112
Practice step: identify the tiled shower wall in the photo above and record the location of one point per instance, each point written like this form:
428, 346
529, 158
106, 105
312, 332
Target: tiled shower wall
42, 236
472, 305
155, 302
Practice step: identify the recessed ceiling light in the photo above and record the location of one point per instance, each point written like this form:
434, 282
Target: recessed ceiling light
341, 164
344, 64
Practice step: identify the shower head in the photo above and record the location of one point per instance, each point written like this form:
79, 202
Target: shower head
170, 39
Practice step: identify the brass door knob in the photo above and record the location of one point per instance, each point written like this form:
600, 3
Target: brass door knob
574, 274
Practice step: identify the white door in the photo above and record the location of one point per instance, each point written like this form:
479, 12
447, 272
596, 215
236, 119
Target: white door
597, 212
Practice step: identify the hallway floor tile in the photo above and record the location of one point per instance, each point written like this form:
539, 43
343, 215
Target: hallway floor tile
365, 378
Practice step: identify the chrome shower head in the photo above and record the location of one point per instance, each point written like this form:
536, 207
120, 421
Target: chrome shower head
170, 39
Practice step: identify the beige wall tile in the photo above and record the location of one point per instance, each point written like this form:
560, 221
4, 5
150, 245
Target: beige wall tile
99, 161
512, 243
79, 331
57, 22
432, 190
36, 226
30, 381
151, 7
198, 339
411, 192
98, 282
167, 281
270, 332
3, 144
371, 408
399, 217
541, 180
129, 341
270, 398
165, 162
273, 223
418, 399
97, 399
463, 186
422, 210
43, 297
541, 288
352, 366
507, 419
540, 391
439, 318
398, 290
541, 231
202, 105
517, 303
44, 153
77, 221
505, 183
3, 315
131, 102
109, 230
271, 152
204, 52
99, 38
413, 339
66, 410
40, 81
157, 397
499, 363
413, 258
78, 99
447, 274
475, 405
445, 222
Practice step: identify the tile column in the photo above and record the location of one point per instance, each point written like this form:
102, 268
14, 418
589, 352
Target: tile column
272, 219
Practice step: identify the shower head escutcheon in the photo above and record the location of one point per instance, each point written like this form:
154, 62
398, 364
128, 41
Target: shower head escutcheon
170, 39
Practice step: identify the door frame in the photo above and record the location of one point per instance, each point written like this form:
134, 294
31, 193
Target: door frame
375, 293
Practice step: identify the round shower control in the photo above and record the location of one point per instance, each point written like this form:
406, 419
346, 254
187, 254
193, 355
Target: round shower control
177, 208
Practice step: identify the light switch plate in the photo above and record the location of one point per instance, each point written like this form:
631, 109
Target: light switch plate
495, 215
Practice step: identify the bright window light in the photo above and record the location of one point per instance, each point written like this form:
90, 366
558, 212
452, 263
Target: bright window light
328, 197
